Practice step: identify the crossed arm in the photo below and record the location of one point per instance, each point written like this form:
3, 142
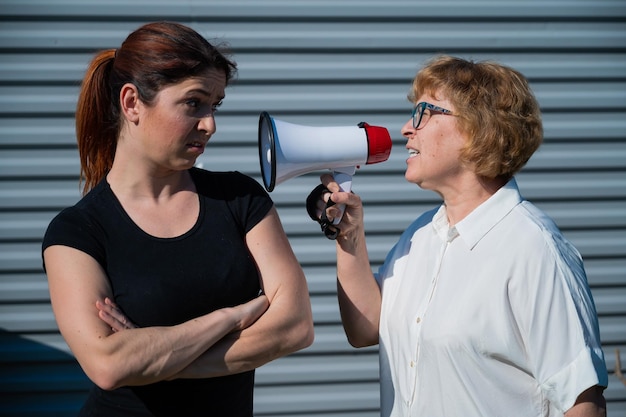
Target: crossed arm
223, 342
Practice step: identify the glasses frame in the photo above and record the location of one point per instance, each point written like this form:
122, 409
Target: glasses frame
422, 106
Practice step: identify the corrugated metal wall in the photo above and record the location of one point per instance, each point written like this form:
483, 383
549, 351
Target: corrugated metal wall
318, 63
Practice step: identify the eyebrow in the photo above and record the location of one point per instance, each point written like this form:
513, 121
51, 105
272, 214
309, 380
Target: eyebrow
204, 93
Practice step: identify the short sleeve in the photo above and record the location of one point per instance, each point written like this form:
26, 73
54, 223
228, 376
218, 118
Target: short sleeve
73, 229
562, 337
255, 206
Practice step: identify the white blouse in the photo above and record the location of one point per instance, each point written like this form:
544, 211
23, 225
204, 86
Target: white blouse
493, 317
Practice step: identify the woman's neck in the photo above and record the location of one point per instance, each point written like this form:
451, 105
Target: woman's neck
465, 196
136, 182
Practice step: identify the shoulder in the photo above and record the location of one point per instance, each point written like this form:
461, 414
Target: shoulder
86, 211
238, 193
82, 226
541, 256
536, 229
230, 182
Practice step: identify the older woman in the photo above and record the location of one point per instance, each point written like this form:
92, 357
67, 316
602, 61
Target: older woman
482, 307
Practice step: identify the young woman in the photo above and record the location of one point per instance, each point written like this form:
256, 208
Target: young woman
170, 284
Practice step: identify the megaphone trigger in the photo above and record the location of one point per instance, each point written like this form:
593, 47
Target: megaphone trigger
343, 177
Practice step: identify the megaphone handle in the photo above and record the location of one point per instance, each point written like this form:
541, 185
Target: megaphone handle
344, 180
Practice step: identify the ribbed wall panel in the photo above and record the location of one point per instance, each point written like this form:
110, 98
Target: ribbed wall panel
314, 63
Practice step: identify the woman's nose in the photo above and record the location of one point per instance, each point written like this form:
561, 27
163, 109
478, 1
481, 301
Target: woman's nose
207, 123
408, 130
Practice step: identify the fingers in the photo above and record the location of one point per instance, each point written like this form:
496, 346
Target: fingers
321, 203
115, 325
329, 182
112, 315
351, 225
337, 196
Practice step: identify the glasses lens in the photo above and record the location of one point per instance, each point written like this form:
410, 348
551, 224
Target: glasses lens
418, 111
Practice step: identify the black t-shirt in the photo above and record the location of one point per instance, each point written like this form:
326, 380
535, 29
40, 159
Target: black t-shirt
166, 281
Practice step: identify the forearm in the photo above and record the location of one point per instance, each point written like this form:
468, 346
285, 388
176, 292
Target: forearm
131, 357
286, 325
144, 356
586, 410
283, 329
357, 290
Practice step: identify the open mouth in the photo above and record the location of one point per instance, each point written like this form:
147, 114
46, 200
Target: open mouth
413, 152
196, 145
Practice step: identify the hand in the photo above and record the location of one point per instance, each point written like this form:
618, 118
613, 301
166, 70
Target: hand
352, 221
246, 314
111, 314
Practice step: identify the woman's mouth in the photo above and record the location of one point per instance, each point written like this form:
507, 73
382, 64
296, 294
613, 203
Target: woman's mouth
196, 145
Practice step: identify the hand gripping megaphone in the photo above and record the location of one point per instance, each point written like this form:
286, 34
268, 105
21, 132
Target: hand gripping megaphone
287, 150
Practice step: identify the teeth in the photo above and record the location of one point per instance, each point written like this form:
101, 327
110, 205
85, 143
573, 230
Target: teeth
413, 152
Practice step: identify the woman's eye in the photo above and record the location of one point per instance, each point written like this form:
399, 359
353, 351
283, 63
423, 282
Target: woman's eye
193, 103
216, 106
202, 108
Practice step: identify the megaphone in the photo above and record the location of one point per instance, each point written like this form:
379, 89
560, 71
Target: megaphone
287, 150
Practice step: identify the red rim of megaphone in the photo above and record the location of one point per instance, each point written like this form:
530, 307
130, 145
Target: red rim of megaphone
378, 143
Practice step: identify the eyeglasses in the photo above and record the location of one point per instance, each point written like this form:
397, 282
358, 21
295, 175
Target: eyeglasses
418, 113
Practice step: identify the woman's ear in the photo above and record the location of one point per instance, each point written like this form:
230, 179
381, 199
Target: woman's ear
129, 102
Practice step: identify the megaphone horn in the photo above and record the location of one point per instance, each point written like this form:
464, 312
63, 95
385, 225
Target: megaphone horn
287, 150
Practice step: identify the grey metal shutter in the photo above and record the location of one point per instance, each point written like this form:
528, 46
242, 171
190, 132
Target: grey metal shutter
317, 63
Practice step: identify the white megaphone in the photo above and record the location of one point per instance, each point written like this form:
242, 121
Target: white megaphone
303, 149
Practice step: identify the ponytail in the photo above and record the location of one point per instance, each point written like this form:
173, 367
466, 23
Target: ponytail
97, 121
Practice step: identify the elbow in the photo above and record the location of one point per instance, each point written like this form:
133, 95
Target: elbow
359, 331
105, 384
300, 335
308, 334
104, 375
360, 340
303, 334
361, 343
